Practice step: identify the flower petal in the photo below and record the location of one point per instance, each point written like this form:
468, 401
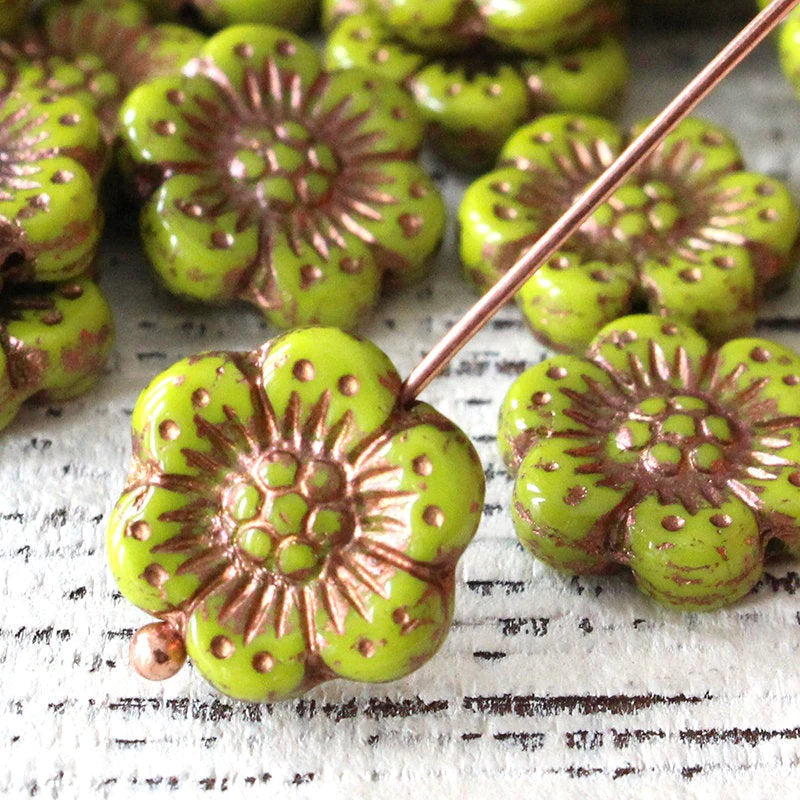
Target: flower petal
310, 290
533, 410
779, 497
411, 226
697, 147
196, 253
645, 351
159, 119
589, 79
567, 302
496, 224
73, 330
698, 562
60, 218
391, 123
763, 212
440, 473
470, 107
360, 381
136, 527
210, 388
715, 291
240, 48
559, 511
403, 631
268, 669
585, 143
364, 41
760, 378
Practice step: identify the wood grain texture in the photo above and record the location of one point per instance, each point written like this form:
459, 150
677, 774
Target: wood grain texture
574, 687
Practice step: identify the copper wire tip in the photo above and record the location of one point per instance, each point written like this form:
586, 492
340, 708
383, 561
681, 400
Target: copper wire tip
157, 651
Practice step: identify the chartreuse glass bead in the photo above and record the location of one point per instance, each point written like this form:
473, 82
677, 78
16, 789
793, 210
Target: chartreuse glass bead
478, 70
270, 181
288, 522
690, 235
296, 15
658, 454
97, 51
54, 342
51, 154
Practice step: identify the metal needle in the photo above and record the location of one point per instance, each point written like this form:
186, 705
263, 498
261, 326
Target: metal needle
544, 248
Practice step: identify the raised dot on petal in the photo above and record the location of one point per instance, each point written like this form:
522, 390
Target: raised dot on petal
765, 189
673, 523
455, 88
669, 329
557, 373
62, 176
304, 370
367, 648
493, 90
433, 516
165, 127
576, 125
176, 97
721, 520
169, 430
791, 380
200, 398
576, 495
418, 190
768, 214
155, 575
559, 263
411, 224
286, 48
69, 119
693, 275
541, 398
139, 530
351, 266
71, 291
222, 647
52, 317
244, 50
422, 465
794, 479
760, 354
713, 138
263, 662
349, 385
506, 212
309, 275
543, 138
221, 240
380, 56
724, 262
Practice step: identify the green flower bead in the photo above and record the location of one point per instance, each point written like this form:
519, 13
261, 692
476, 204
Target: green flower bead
334, 11
51, 153
288, 521
54, 342
12, 12
270, 181
473, 101
97, 51
294, 15
690, 235
661, 455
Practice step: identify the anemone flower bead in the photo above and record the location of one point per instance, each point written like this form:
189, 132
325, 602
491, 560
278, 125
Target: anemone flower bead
270, 181
690, 234
54, 342
288, 521
96, 51
51, 153
477, 70
658, 454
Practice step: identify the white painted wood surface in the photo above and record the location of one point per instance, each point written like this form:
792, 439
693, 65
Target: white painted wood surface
579, 687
